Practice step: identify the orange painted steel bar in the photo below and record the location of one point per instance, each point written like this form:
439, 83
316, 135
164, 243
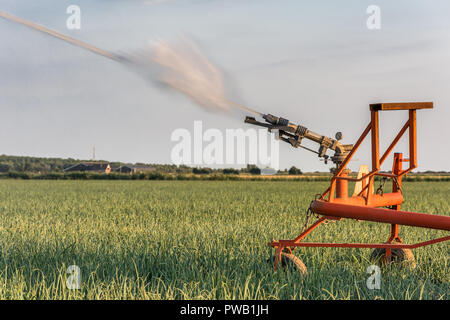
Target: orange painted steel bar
406, 218
309, 230
394, 142
289, 243
400, 106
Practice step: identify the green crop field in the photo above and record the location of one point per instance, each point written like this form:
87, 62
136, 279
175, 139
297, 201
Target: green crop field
199, 240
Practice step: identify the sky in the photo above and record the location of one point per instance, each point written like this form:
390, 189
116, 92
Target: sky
313, 62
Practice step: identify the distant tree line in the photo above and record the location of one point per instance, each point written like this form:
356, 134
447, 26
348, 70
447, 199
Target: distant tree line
21, 167
34, 164
151, 176
205, 177
22, 164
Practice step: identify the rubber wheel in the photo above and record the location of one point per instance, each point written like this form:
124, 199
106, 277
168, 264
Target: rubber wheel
291, 263
399, 256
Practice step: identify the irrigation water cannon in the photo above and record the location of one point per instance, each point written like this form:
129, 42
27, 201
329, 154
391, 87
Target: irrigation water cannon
364, 204
294, 134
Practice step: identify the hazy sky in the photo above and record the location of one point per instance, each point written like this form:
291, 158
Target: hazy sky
313, 62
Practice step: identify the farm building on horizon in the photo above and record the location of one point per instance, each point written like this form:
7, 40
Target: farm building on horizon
99, 167
133, 169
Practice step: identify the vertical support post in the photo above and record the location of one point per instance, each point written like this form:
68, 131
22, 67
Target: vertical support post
412, 139
396, 169
388, 255
364, 184
375, 150
342, 185
375, 141
278, 257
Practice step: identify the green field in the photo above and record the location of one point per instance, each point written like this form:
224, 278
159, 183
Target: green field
198, 240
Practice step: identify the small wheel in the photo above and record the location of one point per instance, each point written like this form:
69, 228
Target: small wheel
400, 256
290, 262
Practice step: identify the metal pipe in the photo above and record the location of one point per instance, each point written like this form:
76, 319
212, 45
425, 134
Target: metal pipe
413, 219
377, 200
305, 133
342, 186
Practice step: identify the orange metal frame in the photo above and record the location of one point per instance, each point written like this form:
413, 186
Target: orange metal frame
335, 203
